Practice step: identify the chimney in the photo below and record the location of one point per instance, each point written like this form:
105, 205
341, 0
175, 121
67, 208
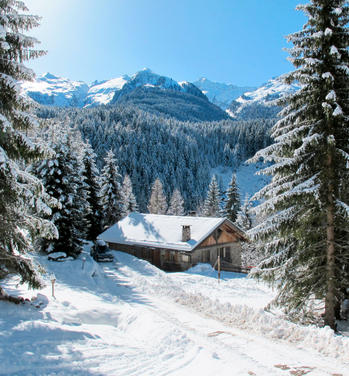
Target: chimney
185, 233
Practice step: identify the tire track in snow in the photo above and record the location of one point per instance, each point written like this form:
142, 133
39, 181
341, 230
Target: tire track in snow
146, 279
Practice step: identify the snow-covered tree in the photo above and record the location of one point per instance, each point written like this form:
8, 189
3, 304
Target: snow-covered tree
232, 202
157, 203
111, 199
63, 180
176, 204
211, 205
244, 215
250, 255
23, 200
129, 203
150, 146
93, 188
305, 236
82, 203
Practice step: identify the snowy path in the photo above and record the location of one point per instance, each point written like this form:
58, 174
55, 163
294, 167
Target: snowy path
137, 320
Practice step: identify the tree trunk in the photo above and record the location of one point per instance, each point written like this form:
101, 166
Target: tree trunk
330, 299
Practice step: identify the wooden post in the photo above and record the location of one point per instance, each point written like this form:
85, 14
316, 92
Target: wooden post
53, 280
219, 267
83, 263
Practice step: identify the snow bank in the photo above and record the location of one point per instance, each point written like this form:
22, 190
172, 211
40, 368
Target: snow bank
151, 280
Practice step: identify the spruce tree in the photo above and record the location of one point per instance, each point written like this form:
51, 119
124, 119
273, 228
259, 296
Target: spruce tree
244, 216
176, 204
92, 180
157, 203
250, 256
305, 237
129, 203
23, 200
78, 178
111, 199
63, 181
211, 204
232, 203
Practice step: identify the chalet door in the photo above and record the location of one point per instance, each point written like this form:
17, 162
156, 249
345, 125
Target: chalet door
156, 257
224, 253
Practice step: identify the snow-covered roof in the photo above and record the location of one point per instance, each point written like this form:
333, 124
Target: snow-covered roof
160, 231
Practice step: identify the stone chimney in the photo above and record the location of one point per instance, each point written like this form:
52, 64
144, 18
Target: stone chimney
185, 233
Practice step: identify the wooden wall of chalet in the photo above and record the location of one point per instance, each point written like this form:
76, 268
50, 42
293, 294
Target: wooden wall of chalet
166, 259
224, 234
224, 238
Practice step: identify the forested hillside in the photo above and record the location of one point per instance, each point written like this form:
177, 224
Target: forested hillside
183, 106
149, 146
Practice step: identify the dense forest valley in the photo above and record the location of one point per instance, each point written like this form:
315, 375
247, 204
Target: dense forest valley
149, 146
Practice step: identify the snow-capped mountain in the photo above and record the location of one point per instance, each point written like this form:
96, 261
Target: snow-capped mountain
260, 102
56, 91
221, 94
203, 100
147, 79
49, 89
145, 90
103, 92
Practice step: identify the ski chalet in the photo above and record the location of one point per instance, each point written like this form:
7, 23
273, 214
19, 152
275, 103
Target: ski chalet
176, 243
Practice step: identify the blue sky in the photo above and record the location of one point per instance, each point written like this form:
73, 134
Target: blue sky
233, 41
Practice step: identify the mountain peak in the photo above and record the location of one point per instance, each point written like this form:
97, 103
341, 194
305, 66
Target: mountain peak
49, 76
221, 94
260, 103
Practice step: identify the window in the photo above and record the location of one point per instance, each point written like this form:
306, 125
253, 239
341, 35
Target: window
185, 258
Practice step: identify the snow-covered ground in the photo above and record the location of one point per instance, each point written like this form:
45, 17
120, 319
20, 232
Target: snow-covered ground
129, 318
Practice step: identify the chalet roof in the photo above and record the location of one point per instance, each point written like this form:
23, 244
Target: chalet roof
161, 231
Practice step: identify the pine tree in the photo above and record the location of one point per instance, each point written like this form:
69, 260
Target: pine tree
81, 200
92, 180
232, 203
129, 203
250, 256
244, 216
23, 200
211, 205
111, 191
305, 237
157, 203
63, 181
176, 204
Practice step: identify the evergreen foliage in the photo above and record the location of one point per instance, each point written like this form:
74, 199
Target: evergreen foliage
176, 204
305, 237
244, 215
211, 205
111, 198
23, 200
129, 203
180, 154
232, 202
157, 203
92, 180
172, 103
62, 176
